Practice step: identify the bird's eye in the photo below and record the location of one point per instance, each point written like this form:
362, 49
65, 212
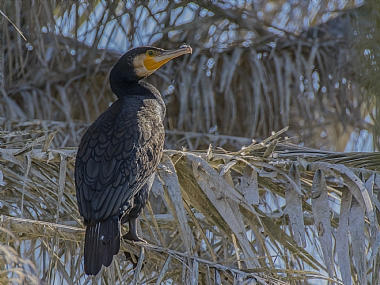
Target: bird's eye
150, 53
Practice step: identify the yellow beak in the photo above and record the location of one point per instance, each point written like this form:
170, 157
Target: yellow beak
157, 60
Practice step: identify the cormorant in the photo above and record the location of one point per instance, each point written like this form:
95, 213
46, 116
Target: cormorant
118, 155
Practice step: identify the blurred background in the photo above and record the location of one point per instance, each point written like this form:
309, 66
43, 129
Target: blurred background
257, 67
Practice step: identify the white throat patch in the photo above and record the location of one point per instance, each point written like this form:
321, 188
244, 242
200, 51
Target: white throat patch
138, 63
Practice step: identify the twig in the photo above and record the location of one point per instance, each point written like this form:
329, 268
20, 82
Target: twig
18, 30
181, 255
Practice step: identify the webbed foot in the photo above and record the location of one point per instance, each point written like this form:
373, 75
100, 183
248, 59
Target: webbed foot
133, 236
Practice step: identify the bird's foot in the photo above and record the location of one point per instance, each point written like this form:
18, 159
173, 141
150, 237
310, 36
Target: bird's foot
133, 237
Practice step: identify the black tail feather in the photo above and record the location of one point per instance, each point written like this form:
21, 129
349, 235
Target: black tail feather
102, 242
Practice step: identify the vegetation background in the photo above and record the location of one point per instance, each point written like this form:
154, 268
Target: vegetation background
233, 201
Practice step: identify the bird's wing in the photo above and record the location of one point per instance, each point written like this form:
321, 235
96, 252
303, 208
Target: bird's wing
116, 156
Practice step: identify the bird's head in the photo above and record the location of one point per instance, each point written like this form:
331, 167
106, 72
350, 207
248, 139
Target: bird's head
141, 62
149, 59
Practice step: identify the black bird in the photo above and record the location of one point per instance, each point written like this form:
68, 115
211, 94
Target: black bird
118, 155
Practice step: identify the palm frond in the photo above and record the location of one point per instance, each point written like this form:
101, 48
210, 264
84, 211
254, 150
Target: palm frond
232, 217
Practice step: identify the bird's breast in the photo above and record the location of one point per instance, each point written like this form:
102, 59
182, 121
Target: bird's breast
150, 120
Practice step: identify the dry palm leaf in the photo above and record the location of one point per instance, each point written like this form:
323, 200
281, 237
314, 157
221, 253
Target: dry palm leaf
209, 217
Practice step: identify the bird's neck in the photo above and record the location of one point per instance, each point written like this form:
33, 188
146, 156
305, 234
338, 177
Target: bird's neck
127, 89
130, 88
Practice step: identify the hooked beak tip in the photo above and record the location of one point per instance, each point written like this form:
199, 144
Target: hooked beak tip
187, 48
